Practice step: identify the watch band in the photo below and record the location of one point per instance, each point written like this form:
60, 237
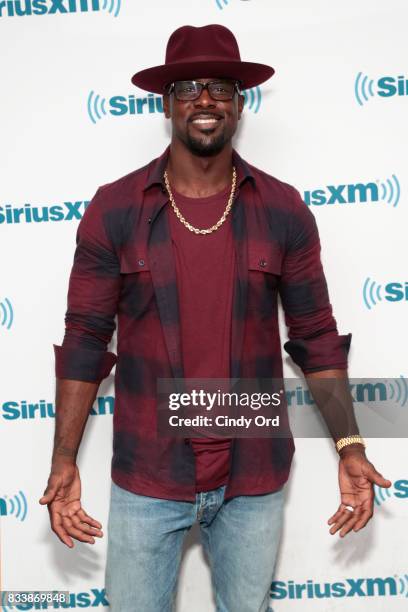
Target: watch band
349, 440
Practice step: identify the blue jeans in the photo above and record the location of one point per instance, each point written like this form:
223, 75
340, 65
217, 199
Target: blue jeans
240, 537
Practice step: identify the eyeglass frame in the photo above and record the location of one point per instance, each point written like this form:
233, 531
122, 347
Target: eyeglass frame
204, 86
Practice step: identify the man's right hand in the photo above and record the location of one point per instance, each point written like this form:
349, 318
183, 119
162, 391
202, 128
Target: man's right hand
63, 497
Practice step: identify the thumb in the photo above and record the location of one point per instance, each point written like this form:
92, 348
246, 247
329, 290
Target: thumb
48, 496
377, 478
49, 493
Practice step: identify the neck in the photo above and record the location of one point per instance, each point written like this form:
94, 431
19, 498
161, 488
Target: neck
198, 177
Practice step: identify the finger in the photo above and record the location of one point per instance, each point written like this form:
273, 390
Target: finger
334, 518
354, 517
74, 508
85, 528
76, 533
363, 520
345, 516
58, 529
338, 514
88, 519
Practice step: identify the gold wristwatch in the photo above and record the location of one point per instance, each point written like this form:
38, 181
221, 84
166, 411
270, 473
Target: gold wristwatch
349, 440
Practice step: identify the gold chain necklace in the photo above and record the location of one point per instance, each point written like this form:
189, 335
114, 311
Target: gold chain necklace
220, 221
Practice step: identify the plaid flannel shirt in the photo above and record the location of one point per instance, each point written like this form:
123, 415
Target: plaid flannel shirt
124, 266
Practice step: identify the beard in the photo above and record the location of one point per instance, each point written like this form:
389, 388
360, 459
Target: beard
206, 145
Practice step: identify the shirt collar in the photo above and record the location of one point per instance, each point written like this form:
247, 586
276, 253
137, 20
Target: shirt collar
158, 166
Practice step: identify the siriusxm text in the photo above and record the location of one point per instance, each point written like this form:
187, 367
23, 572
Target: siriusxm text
67, 211
20, 8
122, 105
389, 86
351, 587
343, 194
12, 410
361, 392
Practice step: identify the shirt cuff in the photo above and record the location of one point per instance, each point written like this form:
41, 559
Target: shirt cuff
323, 352
78, 363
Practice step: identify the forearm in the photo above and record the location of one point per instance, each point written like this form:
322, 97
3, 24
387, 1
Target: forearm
74, 399
331, 392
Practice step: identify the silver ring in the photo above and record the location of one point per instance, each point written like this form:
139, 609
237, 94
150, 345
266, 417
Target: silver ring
349, 508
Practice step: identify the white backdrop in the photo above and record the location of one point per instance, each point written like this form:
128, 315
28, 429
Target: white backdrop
332, 119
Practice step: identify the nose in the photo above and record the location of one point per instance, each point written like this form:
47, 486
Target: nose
205, 100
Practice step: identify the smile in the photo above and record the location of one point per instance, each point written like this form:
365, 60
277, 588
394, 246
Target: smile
202, 121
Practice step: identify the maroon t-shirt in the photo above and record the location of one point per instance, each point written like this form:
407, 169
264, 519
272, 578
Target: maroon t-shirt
205, 273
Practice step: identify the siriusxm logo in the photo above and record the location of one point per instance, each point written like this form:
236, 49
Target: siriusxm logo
399, 490
6, 313
350, 587
384, 87
387, 191
15, 505
67, 211
394, 390
117, 106
99, 107
21, 8
85, 599
12, 410
373, 293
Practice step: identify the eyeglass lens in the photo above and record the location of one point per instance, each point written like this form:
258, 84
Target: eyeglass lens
191, 90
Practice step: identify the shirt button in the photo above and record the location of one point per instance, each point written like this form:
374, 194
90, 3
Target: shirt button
262, 263
141, 262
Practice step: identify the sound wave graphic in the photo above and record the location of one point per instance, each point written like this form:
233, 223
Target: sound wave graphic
112, 6
96, 107
363, 88
371, 293
403, 585
16, 505
399, 390
4, 606
253, 98
6, 313
222, 3
380, 495
391, 191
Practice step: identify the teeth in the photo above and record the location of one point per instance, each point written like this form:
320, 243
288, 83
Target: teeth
205, 120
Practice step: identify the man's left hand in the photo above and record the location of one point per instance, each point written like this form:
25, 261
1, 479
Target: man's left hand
356, 479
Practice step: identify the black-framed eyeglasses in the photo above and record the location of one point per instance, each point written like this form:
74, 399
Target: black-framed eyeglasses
220, 90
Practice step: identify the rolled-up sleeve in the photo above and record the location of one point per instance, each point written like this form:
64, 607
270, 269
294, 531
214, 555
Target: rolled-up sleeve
314, 342
93, 295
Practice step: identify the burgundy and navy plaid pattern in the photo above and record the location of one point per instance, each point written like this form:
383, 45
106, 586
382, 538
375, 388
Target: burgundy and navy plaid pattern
124, 266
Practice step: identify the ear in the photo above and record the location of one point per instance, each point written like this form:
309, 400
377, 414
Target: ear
166, 106
241, 102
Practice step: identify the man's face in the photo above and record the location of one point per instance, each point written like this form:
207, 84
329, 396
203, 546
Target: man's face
204, 125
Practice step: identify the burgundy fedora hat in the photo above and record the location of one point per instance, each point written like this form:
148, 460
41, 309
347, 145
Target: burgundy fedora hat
205, 52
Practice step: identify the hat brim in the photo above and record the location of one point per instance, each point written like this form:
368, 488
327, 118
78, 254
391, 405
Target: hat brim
249, 74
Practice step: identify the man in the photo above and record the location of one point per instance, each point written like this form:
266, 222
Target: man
191, 252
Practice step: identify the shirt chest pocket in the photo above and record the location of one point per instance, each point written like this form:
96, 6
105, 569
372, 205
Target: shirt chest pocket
264, 271
137, 298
